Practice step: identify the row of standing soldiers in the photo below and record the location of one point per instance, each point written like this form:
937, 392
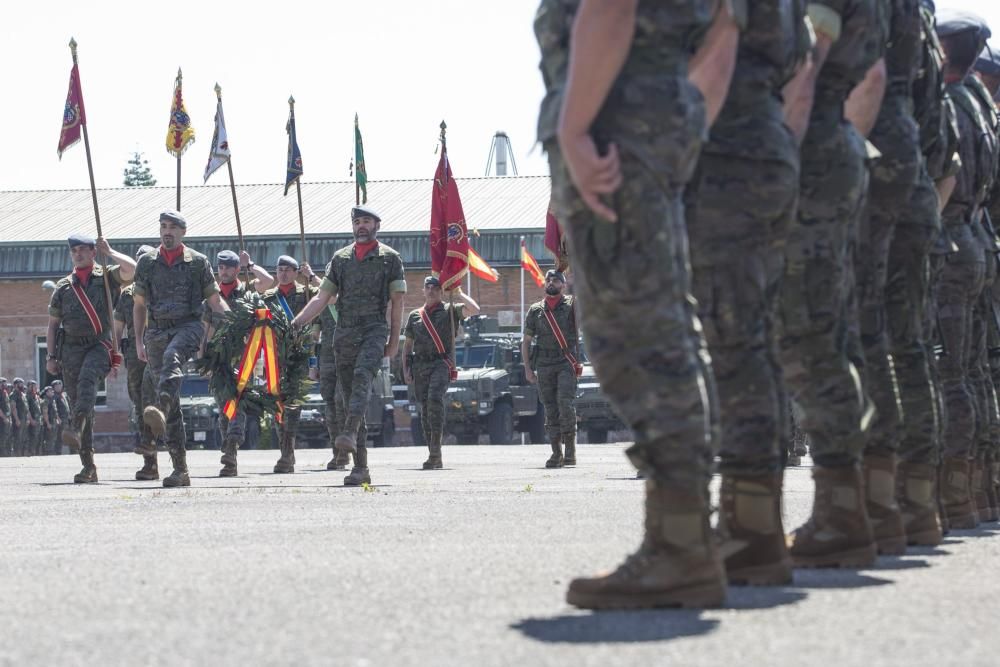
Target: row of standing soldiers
31, 421
785, 198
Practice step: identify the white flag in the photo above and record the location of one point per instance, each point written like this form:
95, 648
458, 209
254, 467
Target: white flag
219, 155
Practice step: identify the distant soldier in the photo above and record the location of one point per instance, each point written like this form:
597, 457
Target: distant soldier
290, 297
6, 419
365, 277
233, 290
79, 338
19, 413
173, 284
50, 415
551, 325
34, 446
427, 359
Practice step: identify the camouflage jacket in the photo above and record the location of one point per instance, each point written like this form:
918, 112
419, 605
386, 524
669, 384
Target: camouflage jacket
933, 109
977, 150
34, 407
19, 405
363, 288
123, 311
423, 344
546, 346
4, 403
62, 404
49, 410
66, 307
296, 301
328, 323
174, 292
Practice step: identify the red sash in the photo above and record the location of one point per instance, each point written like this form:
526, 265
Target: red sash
561, 339
95, 322
425, 318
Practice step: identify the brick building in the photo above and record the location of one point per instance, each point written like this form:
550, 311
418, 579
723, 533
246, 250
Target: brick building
35, 224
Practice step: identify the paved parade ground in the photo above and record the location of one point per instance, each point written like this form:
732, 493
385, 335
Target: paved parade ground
465, 566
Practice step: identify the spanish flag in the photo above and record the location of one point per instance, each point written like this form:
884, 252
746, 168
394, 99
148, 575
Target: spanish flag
479, 267
529, 264
180, 134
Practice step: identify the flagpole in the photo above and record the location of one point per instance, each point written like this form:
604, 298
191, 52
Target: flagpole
451, 293
298, 187
522, 285
357, 185
178, 158
97, 213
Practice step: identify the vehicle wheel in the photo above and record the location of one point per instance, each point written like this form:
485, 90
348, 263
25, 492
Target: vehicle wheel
536, 426
387, 437
597, 435
417, 432
500, 424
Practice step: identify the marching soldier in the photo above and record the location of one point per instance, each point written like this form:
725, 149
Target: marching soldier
79, 338
173, 284
430, 340
6, 419
290, 297
551, 325
364, 277
19, 413
229, 265
135, 369
62, 414
34, 446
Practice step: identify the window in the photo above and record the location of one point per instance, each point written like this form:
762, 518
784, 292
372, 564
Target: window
45, 378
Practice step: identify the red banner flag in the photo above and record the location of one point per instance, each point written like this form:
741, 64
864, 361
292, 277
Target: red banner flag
74, 117
529, 264
449, 234
554, 241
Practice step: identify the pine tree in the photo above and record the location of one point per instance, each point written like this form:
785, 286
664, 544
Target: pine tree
138, 173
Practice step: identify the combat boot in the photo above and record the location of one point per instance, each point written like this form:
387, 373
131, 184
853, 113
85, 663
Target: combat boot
980, 492
556, 460
956, 497
150, 468
359, 473
916, 493
880, 503
72, 432
570, 441
753, 541
434, 461
230, 446
286, 462
339, 461
348, 440
88, 475
179, 476
677, 564
939, 499
994, 474
838, 534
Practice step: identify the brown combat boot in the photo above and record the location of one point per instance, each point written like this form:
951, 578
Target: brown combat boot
434, 461
179, 476
956, 496
753, 541
916, 492
155, 419
985, 508
286, 462
348, 440
72, 433
880, 503
339, 461
676, 565
359, 473
838, 534
569, 439
150, 468
230, 447
88, 475
556, 460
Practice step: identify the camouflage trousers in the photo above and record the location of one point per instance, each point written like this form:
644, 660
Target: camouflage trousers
135, 370
818, 322
4, 439
48, 441
980, 377
232, 429
557, 389
962, 277
430, 386
19, 439
84, 366
167, 351
289, 426
333, 406
738, 216
637, 314
359, 351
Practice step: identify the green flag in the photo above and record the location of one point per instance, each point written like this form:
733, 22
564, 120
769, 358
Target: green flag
360, 173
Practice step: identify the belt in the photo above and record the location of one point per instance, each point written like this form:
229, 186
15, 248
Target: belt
164, 323
428, 358
82, 340
360, 320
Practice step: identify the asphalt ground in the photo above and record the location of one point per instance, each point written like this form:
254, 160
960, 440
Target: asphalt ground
463, 566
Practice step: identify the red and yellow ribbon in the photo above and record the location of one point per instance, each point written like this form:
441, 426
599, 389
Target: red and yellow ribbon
261, 340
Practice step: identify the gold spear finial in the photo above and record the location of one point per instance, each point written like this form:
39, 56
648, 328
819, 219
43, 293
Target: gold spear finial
218, 91
291, 101
179, 73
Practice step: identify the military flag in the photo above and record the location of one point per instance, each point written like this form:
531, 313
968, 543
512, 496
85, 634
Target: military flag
554, 241
180, 134
219, 154
529, 264
479, 267
74, 116
449, 234
360, 172
293, 168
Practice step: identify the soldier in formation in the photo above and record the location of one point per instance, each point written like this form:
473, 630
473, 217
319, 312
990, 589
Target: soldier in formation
6, 418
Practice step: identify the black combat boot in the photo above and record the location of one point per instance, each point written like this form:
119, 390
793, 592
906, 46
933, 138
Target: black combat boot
569, 439
230, 446
286, 463
433, 461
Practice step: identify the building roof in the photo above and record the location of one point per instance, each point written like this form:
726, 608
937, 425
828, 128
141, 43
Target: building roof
509, 203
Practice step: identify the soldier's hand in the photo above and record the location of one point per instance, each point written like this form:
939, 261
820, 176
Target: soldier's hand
244, 259
390, 348
593, 174
306, 270
140, 351
52, 366
114, 373
529, 375
103, 246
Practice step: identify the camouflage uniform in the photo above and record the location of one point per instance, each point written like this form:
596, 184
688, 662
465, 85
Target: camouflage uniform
363, 288
637, 271
431, 371
290, 305
85, 356
556, 377
174, 296
6, 423
333, 408
61, 401
134, 367
50, 429
34, 445
20, 435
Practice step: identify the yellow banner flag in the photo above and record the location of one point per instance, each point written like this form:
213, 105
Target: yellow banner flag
180, 134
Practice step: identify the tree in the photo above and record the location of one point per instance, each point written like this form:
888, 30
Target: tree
137, 173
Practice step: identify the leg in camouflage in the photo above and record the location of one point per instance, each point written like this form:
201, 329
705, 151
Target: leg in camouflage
150, 470
430, 382
548, 393
287, 431
83, 369
233, 433
359, 352
333, 411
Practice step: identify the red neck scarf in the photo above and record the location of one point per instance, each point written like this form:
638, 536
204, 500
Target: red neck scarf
228, 288
287, 289
83, 275
553, 301
171, 256
431, 309
362, 249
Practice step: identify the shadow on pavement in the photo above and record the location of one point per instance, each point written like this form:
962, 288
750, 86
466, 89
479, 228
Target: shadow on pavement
761, 597
899, 563
927, 551
834, 578
650, 625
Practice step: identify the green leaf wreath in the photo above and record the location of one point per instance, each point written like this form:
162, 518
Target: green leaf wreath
225, 351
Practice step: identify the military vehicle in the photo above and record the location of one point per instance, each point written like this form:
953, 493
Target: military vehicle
201, 416
380, 418
491, 394
594, 414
